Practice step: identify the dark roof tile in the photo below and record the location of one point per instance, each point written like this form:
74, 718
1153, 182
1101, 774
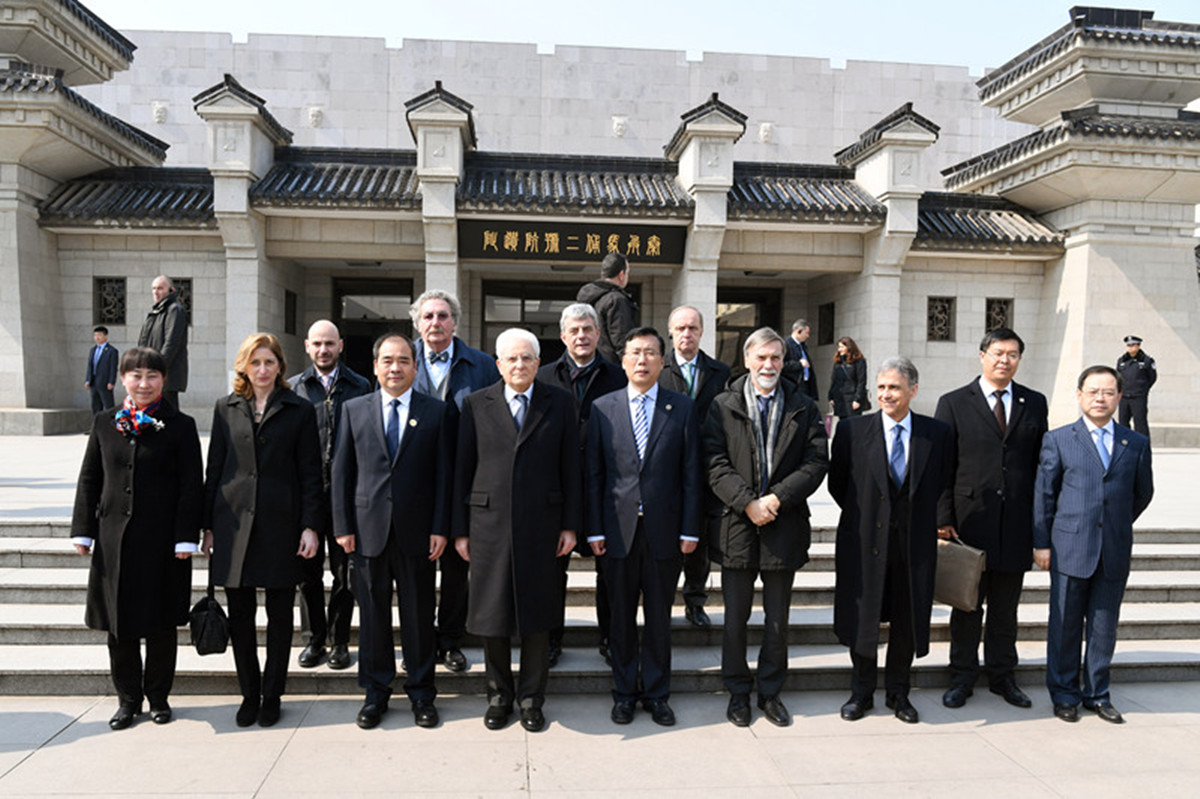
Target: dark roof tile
847, 156
133, 197
334, 178
979, 221
794, 192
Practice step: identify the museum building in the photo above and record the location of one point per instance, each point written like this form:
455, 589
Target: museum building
1077, 232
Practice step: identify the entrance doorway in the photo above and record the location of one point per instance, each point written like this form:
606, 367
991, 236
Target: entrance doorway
366, 308
741, 311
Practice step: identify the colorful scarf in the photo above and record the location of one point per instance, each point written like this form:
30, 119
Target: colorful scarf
132, 421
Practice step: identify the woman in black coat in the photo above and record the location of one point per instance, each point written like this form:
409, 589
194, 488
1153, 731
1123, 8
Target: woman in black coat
263, 502
137, 511
848, 387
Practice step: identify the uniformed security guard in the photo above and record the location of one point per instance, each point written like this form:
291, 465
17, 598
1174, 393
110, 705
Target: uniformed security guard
1138, 375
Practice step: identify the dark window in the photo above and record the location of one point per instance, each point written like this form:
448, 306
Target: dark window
289, 312
741, 311
999, 313
108, 301
534, 306
939, 319
825, 324
183, 291
366, 308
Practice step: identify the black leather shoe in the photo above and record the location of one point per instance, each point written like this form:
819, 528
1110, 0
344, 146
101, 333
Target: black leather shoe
738, 711
532, 719
371, 714
857, 707
453, 659
496, 717
660, 711
698, 616
268, 714
555, 652
774, 710
956, 695
123, 717
1012, 694
1106, 711
248, 712
622, 712
339, 657
311, 656
425, 714
1066, 712
903, 708
161, 715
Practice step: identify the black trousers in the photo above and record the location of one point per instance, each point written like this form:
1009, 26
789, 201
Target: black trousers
603, 608
452, 602
314, 624
1135, 409
530, 690
1001, 593
738, 588
131, 682
413, 577
268, 681
639, 573
897, 608
696, 568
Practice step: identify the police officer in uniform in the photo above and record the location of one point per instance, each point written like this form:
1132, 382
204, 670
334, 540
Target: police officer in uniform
1138, 375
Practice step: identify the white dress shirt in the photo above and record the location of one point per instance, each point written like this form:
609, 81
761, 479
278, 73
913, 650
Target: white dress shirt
989, 393
905, 425
405, 402
437, 371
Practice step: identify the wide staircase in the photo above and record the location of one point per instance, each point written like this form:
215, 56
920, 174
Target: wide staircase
46, 649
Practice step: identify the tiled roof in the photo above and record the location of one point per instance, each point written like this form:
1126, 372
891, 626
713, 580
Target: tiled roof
453, 100
905, 113
22, 78
230, 86
1098, 25
109, 34
133, 197
800, 193
979, 221
713, 103
334, 178
1081, 122
572, 184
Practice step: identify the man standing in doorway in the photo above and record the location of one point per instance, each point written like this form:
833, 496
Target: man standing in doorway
166, 330
617, 311
797, 364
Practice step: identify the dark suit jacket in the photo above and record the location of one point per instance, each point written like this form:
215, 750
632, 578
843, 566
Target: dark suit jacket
100, 375
262, 489
1083, 513
792, 370
990, 500
348, 385
513, 494
470, 370
605, 377
373, 496
166, 330
860, 483
666, 482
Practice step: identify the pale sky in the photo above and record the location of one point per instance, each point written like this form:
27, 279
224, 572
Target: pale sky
971, 33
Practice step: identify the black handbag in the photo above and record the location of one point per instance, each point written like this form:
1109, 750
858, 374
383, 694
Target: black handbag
209, 624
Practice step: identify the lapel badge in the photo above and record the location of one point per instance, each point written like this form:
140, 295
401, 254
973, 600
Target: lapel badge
1021, 400
1124, 442
668, 407
412, 422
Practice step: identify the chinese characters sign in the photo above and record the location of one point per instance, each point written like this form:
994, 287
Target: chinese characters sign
568, 241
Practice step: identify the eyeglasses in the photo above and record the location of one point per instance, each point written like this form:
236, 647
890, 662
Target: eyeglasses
1107, 393
1012, 356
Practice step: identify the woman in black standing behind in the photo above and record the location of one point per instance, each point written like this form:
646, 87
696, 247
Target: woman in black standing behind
848, 387
137, 511
263, 501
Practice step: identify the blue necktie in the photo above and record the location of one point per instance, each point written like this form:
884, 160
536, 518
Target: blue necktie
1105, 458
804, 356
897, 459
392, 433
641, 426
96, 360
519, 414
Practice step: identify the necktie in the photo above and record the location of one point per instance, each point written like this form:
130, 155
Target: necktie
392, 433
998, 409
641, 426
519, 413
96, 360
689, 375
1105, 458
897, 460
764, 420
438, 357
804, 357
327, 383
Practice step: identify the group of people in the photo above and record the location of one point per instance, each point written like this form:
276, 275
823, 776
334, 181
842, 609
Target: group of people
496, 470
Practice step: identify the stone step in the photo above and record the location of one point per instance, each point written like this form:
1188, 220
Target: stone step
56, 671
69, 586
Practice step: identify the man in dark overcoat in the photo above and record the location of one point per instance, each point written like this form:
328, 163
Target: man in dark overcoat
997, 426
765, 449
166, 330
887, 472
518, 503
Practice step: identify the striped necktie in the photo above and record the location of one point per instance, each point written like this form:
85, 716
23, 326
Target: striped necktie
641, 426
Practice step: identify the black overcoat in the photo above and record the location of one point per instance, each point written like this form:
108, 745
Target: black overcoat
136, 499
860, 484
261, 489
513, 494
848, 385
799, 466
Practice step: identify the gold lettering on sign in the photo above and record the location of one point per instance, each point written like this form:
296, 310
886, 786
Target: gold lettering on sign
614, 243
593, 244
653, 247
551, 242
635, 245
531, 241
510, 240
491, 240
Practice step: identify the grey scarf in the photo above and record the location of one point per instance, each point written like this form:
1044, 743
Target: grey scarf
764, 440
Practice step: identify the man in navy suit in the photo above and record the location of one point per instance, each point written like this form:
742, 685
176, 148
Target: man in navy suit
449, 370
101, 370
391, 481
1094, 479
797, 362
643, 501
